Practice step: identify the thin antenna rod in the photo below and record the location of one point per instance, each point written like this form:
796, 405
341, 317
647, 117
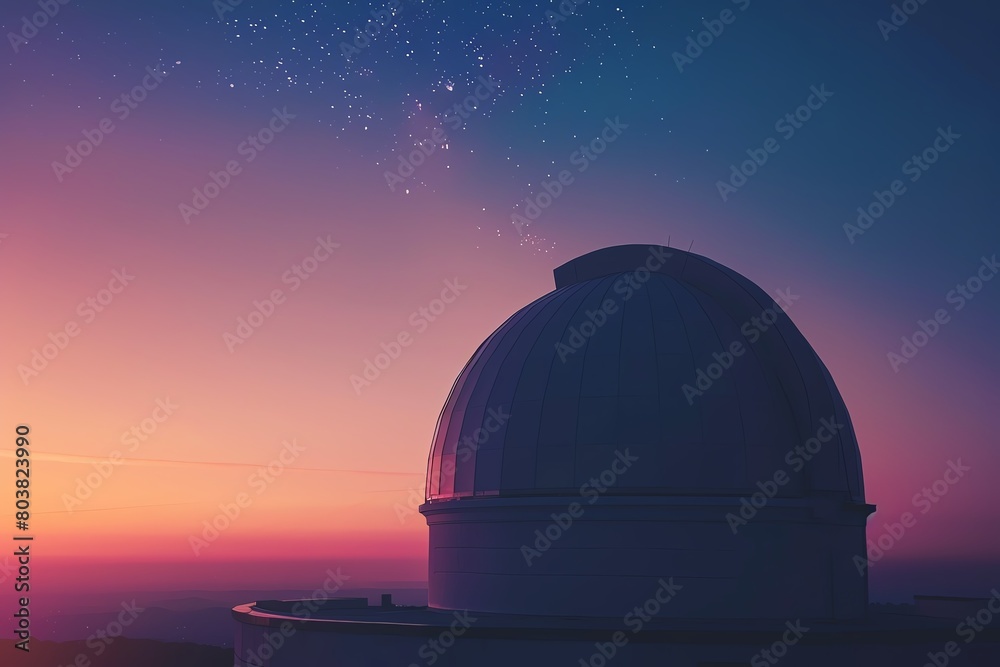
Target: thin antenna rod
684, 265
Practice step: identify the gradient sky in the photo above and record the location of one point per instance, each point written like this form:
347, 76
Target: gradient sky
364, 454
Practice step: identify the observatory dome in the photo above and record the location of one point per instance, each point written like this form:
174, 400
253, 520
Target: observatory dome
655, 416
688, 364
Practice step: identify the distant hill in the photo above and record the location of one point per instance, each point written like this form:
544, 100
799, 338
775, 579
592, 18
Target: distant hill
214, 626
200, 617
122, 652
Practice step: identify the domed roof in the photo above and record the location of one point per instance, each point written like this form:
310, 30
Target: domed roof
548, 401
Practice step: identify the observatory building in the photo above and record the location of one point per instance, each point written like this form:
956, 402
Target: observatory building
647, 465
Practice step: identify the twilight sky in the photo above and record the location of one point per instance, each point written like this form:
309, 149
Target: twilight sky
268, 164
